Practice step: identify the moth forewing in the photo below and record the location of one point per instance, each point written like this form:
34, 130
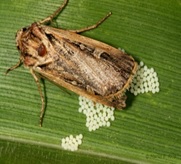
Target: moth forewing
62, 83
83, 48
83, 65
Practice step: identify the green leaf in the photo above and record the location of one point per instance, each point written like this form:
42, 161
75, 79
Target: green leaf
147, 131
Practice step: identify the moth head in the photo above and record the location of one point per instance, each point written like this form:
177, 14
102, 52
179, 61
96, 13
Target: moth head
29, 40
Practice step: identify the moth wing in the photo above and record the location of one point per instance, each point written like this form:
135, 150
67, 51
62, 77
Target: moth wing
75, 89
120, 58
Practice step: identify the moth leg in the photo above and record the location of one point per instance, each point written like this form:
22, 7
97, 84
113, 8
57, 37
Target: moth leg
55, 14
13, 67
93, 26
41, 96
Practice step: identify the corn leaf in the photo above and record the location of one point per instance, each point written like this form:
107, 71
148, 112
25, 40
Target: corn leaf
147, 131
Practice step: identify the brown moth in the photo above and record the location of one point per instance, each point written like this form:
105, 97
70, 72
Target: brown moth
83, 65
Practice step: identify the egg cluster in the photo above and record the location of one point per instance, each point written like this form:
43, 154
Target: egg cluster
72, 143
97, 115
145, 80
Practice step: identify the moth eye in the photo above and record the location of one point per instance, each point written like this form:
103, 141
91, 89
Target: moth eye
42, 50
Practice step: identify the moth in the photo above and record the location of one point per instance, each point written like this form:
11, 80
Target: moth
83, 65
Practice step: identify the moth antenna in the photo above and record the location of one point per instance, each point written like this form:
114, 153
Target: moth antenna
55, 14
94, 25
13, 67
